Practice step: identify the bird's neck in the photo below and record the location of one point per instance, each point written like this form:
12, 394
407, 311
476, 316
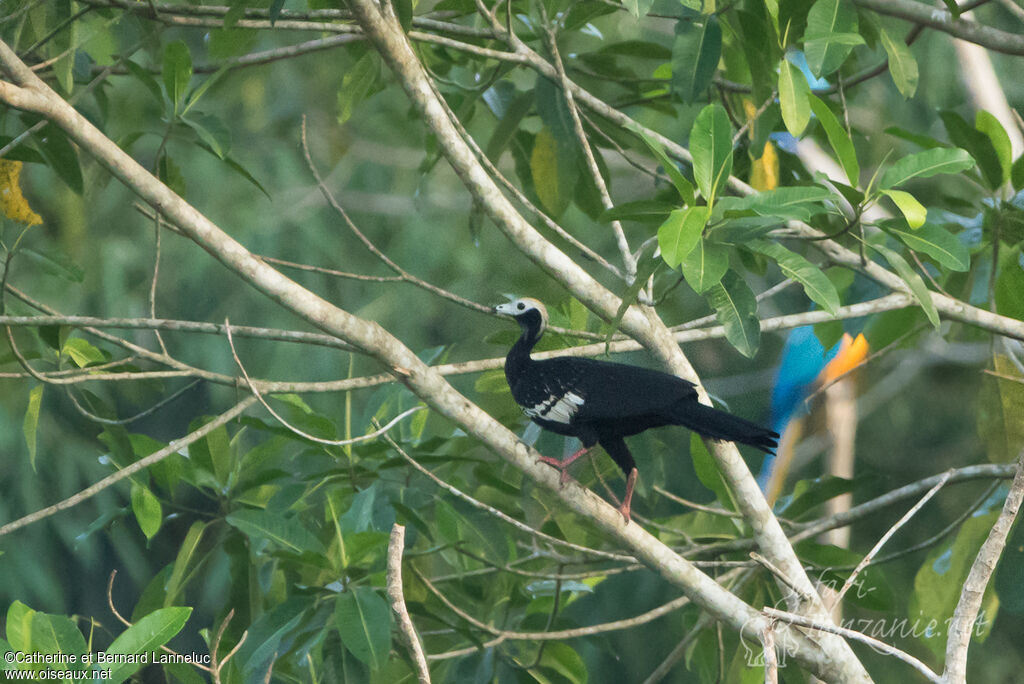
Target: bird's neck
518, 359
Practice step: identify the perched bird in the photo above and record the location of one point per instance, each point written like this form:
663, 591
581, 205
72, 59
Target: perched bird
601, 402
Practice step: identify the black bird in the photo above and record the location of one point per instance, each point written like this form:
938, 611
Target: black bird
601, 402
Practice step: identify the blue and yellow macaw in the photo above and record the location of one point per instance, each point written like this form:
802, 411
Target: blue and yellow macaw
805, 366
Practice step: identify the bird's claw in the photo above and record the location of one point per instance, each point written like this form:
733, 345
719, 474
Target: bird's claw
626, 513
558, 465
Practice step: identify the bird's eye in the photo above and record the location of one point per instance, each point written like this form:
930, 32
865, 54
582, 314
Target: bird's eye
520, 306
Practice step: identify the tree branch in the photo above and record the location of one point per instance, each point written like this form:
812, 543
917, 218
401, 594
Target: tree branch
961, 627
406, 630
941, 20
832, 659
143, 463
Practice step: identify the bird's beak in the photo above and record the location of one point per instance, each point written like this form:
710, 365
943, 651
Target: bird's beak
505, 309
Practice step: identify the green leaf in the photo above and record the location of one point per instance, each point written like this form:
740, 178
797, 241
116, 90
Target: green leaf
146, 79
552, 187
275, 10
936, 242
235, 166
55, 264
288, 533
364, 625
760, 51
171, 175
678, 235
683, 186
359, 516
830, 36
82, 352
925, 142
639, 210
912, 210
1017, 174
708, 473
637, 8
145, 636
475, 532
736, 309
403, 10
60, 155
902, 64
913, 280
1000, 412
563, 662
647, 265
990, 126
837, 138
508, 123
711, 147
791, 202
213, 452
976, 143
147, 510
56, 634
177, 71
926, 164
212, 131
814, 281
794, 98
809, 494
695, 54
19, 626
705, 265
1007, 582
357, 83
491, 382
31, 423
198, 93
182, 562
939, 580
1009, 294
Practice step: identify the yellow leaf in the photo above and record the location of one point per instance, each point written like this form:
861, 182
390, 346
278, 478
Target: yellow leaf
764, 172
12, 203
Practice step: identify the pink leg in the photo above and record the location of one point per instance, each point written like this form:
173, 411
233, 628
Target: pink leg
563, 465
627, 500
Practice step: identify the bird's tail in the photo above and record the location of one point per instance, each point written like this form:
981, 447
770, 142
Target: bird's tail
711, 422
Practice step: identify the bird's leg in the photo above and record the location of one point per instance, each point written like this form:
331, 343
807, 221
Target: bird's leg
563, 464
627, 500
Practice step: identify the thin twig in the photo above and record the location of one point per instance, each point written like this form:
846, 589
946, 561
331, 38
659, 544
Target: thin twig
127, 623
961, 627
313, 438
771, 658
131, 419
588, 153
406, 630
499, 514
143, 463
217, 664
781, 576
888, 535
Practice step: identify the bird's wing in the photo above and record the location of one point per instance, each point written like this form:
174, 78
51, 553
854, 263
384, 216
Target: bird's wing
602, 390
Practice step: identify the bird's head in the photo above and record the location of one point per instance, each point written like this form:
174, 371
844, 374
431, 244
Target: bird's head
529, 313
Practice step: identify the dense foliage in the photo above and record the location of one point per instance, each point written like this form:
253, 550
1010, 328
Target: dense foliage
683, 171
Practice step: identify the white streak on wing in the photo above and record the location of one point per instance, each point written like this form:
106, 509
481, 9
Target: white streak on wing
557, 409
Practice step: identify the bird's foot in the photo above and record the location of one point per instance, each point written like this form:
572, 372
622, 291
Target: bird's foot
627, 500
563, 465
